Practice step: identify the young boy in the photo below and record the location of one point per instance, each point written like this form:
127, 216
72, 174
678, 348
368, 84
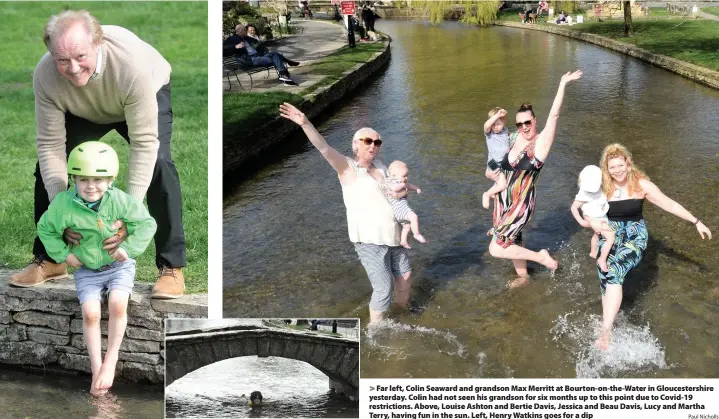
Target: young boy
397, 182
91, 209
594, 207
497, 136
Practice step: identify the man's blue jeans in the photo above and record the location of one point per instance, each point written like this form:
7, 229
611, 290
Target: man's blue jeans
271, 58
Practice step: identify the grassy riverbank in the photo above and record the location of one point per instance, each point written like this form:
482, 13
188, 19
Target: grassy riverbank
711, 10
690, 40
181, 37
251, 110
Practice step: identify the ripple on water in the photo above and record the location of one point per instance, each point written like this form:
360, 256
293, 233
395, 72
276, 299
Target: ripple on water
290, 389
394, 340
634, 349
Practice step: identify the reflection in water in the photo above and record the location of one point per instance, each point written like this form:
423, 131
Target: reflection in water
289, 389
67, 396
429, 106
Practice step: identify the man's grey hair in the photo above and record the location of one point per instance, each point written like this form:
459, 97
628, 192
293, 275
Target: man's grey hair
59, 23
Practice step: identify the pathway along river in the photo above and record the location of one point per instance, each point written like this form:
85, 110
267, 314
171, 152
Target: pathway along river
286, 251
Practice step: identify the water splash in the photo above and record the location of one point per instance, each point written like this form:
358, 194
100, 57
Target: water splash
482, 361
390, 337
634, 350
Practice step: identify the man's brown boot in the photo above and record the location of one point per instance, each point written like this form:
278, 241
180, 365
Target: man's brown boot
37, 272
170, 284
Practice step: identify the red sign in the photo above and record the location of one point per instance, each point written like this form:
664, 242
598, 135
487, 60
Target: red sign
348, 7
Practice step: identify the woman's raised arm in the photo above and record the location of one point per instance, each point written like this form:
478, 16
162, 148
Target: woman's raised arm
656, 197
546, 138
333, 157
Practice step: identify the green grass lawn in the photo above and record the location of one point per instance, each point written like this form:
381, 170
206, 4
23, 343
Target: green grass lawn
711, 10
243, 112
692, 40
179, 31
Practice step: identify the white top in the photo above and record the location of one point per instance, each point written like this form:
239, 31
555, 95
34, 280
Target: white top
595, 204
369, 214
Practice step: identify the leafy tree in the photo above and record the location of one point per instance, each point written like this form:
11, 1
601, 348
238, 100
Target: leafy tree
628, 27
476, 12
568, 6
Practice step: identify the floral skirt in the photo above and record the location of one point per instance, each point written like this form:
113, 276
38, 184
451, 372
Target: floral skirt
629, 245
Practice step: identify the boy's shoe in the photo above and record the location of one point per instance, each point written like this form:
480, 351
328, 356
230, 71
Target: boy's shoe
170, 284
38, 271
293, 63
290, 83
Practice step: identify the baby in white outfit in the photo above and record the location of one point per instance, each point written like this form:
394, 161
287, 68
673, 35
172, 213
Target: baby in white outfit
594, 206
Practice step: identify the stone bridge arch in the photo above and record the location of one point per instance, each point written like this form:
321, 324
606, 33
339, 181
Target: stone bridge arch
336, 357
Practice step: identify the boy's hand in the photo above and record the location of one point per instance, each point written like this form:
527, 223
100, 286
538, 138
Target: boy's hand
73, 261
502, 113
120, 255
419, 191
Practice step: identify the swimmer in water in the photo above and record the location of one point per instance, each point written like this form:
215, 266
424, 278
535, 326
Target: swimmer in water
255, 399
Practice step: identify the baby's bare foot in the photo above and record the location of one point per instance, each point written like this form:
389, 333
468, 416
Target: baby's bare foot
547, 260
405, 244
485, 200
593, 253
420, 238
603, 265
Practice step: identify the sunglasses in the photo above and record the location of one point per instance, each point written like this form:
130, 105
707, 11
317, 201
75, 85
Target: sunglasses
525, 123
368, 141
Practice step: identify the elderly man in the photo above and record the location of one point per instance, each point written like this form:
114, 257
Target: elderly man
93, 80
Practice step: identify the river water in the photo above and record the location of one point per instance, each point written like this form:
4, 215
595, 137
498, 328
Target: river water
28, 395
286, 251
289, 388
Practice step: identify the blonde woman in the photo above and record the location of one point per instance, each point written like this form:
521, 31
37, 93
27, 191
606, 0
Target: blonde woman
626, 187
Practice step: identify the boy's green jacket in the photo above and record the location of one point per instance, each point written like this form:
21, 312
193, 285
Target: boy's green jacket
68, 210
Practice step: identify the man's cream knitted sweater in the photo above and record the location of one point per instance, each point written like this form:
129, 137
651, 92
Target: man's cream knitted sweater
124, 89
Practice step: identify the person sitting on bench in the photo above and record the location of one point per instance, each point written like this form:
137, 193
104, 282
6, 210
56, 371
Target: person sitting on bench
562, 18
542, 9
250, 51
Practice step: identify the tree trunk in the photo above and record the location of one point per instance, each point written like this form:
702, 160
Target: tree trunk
628, 28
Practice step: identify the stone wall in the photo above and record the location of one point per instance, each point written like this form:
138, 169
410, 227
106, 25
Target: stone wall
42, 327
694, 72
244, 148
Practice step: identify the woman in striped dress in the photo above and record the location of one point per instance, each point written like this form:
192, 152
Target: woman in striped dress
513, 208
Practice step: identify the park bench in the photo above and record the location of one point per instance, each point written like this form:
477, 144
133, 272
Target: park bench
230, 66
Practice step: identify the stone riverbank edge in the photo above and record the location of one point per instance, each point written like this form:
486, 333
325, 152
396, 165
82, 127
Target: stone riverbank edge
242, 149
694, 72
41, 329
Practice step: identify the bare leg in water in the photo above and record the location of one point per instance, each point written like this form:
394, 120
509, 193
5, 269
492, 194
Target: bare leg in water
402, 289
611, 301
520, 266
519, 254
